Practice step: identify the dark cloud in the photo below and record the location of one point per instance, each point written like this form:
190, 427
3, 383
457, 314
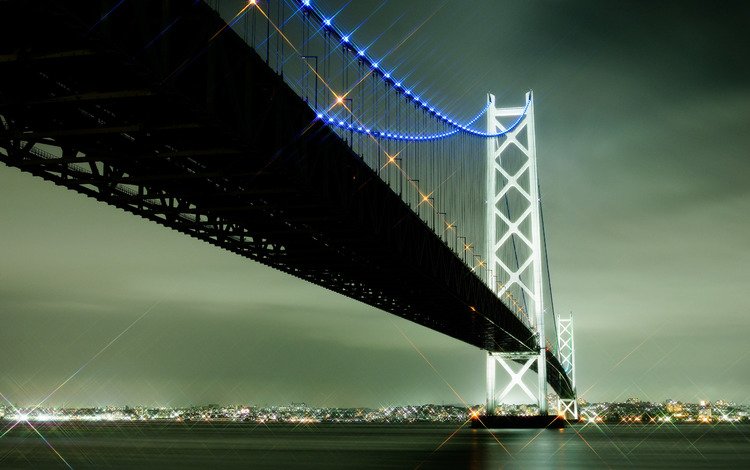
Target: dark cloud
643, 116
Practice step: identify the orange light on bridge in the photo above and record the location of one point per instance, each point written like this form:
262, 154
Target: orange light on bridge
425, 198
391, 158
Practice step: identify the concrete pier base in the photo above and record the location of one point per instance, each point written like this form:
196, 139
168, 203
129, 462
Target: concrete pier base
519, 422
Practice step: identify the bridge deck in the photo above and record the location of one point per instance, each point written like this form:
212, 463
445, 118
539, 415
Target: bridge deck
152, 116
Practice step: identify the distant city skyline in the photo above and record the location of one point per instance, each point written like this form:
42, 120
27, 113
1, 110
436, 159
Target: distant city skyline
643, 130
630, 411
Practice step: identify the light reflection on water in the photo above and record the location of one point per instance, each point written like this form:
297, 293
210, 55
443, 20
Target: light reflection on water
86, 445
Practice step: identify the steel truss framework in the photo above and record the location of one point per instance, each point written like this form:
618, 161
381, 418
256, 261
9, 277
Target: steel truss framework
568, 408
196, 133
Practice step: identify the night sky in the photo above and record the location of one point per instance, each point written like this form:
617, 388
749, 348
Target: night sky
643, 136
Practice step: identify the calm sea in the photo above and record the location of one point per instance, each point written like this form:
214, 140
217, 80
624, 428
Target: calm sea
373, 446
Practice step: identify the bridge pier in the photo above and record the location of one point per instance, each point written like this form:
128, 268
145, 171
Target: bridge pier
509, 361
506, 361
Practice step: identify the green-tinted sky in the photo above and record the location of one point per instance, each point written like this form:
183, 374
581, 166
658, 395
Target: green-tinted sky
643, 131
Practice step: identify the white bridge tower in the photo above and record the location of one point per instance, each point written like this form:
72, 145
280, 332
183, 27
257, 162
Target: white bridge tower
567, 407
514, 243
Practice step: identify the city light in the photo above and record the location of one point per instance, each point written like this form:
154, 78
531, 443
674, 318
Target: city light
628, 413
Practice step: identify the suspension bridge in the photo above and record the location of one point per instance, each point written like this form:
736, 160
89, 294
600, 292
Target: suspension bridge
264, 128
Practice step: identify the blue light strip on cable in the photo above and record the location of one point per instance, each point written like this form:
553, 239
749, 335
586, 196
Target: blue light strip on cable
331, 121
364, 130
326, 24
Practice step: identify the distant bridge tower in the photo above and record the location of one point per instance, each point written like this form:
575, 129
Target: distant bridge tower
514, 243
567, 355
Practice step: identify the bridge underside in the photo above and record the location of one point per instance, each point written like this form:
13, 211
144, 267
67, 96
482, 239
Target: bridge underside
144, 111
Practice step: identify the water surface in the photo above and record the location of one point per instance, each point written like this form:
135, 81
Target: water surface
326, 446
